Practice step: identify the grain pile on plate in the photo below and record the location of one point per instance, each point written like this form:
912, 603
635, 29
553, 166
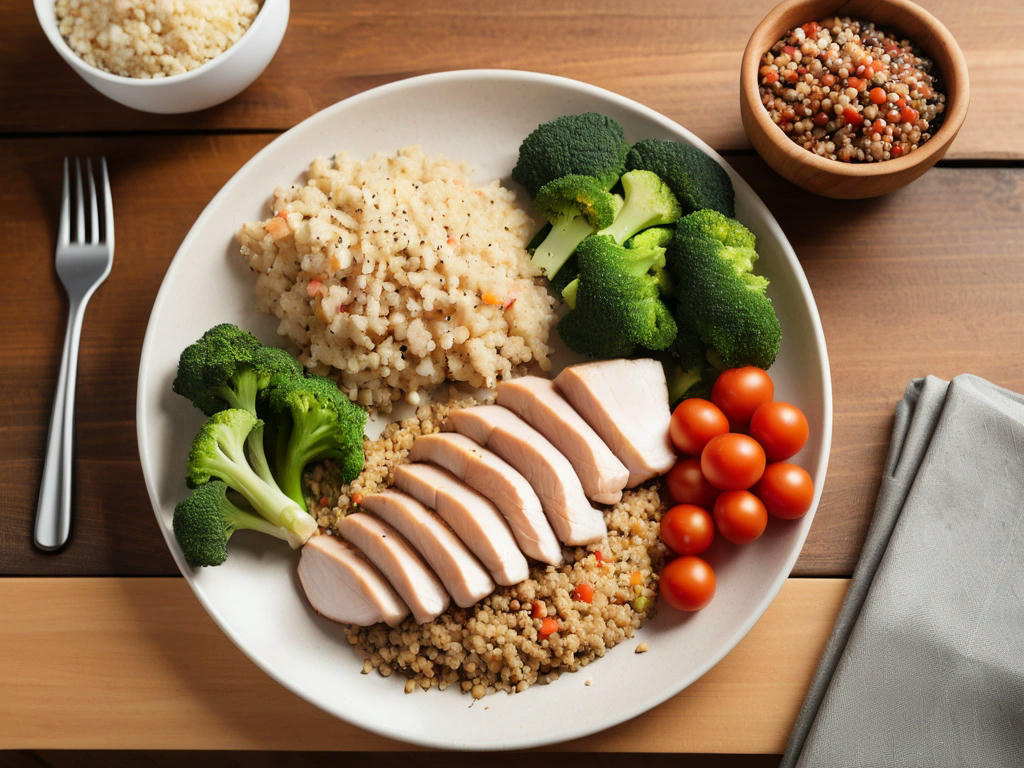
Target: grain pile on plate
395, 274
153, 38
494, 645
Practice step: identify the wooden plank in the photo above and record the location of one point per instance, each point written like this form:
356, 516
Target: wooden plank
137, 664
927, 280
681, 59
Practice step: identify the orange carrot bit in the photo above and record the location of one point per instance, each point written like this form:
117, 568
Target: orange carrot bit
324, 501
314, 287
547, 627
584, 593
636, 578
599, 557
282, 214
357, 498
491, 300
276, 228
452, 241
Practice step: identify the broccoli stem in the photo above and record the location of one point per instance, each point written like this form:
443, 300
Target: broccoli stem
310, 434
267, 499
560, 243
631, 219
243, 393
239, 520
569, 293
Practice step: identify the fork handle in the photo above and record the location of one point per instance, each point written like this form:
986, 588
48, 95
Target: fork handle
53, 512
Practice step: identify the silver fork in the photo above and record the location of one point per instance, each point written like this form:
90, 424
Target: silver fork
85, 253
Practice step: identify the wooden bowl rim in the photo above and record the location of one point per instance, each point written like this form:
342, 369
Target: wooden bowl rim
956, 84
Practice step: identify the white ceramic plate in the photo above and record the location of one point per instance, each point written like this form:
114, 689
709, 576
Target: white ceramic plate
480, 116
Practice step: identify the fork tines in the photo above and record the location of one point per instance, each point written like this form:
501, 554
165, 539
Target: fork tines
99, 227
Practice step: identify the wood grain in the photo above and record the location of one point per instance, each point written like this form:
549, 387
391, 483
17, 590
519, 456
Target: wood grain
681, 59
145, 656
927, 280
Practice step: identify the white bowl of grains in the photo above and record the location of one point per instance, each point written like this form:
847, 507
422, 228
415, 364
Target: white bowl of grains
166, 56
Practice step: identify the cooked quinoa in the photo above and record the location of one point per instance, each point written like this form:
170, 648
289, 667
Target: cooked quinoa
152, 38
849, 91
499, 644
394, 274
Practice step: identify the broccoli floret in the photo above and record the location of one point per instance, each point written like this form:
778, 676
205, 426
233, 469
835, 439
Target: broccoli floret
227, 367
576, 206
617, 305
206, 519
312, 420
219, 452
649, 203
696, 180
711, 261
655, 237
589, 144
688, 369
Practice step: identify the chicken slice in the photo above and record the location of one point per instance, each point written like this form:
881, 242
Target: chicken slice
460, 572
472, 516
550, 474
626, 402
343, 586
397, 560
489, 474
537, 402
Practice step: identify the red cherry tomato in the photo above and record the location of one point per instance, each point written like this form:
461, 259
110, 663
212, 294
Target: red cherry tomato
687, 485
687, 583
780, 428
687, 529
739, 391
732, 462
786, 490
740, 516
694, 422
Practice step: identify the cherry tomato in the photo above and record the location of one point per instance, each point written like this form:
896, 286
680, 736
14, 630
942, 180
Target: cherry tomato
687, 583
686, 484
694, 422
740, 516
786, 490
687, 529
780, 428
732, 462
739, 391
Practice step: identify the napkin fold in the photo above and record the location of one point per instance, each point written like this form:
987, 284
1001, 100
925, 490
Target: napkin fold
925, 666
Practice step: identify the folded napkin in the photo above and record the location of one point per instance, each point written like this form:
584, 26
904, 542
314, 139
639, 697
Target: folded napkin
925, 666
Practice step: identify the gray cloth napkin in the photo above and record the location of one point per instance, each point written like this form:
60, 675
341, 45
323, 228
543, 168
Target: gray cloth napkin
925, 666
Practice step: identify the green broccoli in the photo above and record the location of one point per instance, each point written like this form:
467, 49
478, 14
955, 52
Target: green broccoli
219, 452
589, 144
312, 420
206, 519
649, 203
696, 180
576, 206
227, 367
655, 237
711, 261
689, 369
616, 301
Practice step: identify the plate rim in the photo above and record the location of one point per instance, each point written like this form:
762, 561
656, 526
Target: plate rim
580, 87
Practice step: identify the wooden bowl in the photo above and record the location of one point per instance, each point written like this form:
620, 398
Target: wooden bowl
833, 178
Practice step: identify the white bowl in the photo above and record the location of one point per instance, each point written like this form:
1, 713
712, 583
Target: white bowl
214, 82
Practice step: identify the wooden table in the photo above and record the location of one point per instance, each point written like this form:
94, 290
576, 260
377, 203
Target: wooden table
927, 280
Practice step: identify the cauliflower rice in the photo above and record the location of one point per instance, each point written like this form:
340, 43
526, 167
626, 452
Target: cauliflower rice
495, 644
152, 38
394, 274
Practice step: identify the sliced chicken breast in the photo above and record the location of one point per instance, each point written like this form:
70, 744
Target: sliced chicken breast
460, 572
471, 515
343, 586
626, 402
537, 402
386, 548
549, 473
489, 474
